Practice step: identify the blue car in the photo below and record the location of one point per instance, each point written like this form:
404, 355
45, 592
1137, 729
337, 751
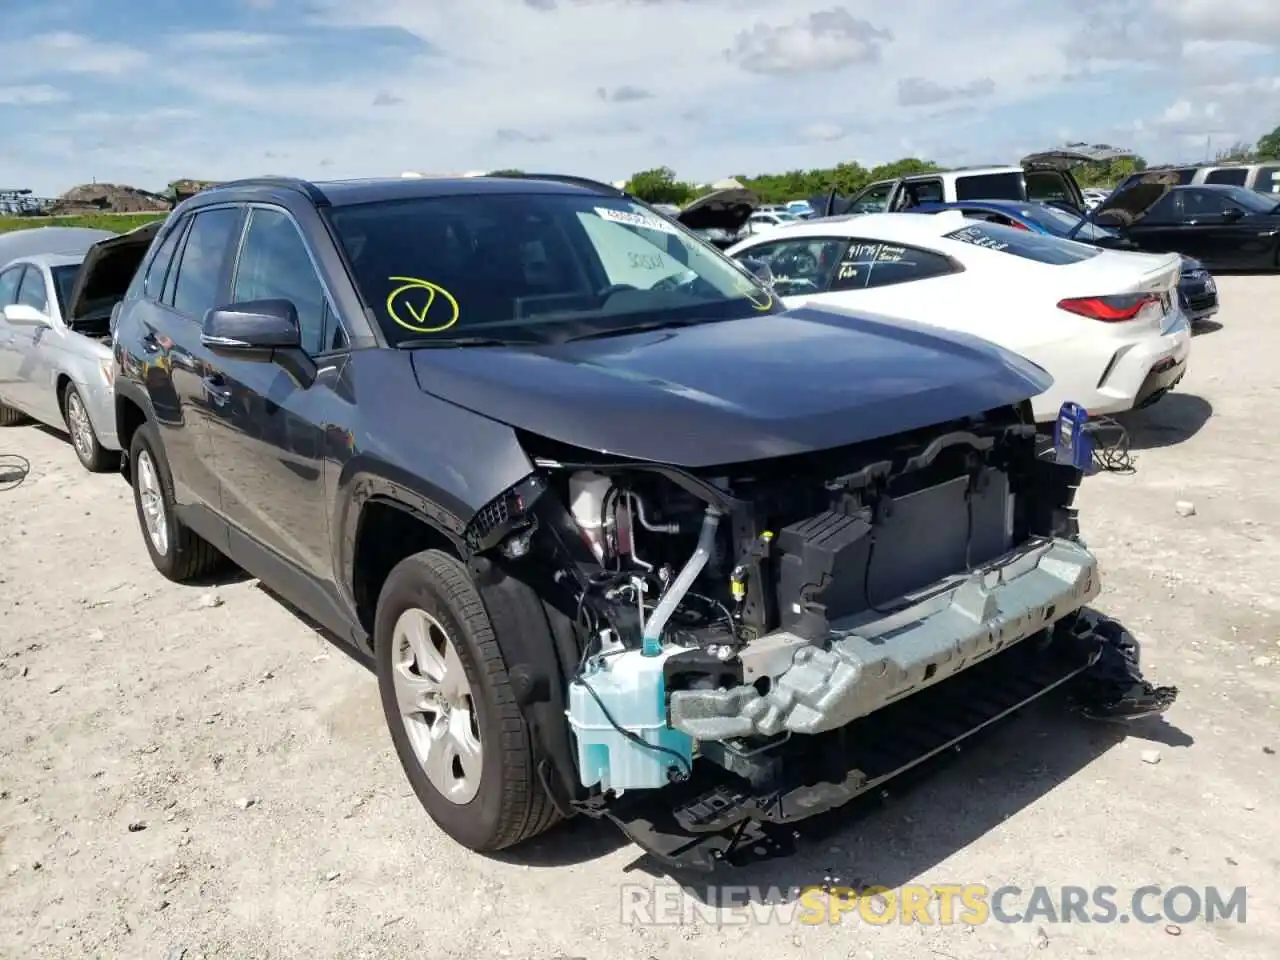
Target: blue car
1197, 289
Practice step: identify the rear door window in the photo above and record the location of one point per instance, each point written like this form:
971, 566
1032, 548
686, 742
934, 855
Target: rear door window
871, 263
915, 192
1268, 180
990, 186
1232, 176
1038, 247
200, 272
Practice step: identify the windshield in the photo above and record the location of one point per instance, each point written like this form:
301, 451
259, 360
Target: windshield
64, 278
1060, 222
1250, 200
535, 267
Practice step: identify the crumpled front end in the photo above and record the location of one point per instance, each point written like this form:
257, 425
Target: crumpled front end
793, 685
758, 642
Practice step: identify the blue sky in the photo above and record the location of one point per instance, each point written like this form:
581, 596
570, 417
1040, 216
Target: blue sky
145, 91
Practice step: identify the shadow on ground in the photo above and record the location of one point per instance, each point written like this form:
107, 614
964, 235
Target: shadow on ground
1205, 326
927, 815
1171, 420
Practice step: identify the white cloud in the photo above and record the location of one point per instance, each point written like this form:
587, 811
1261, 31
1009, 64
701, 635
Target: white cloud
919, 91
1251, 21
27, 96
65, 52
824, 40
828, 132
606, 87
220, 41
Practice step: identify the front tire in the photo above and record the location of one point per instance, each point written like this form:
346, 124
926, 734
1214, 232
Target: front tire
92, 455
177, 552
450, 707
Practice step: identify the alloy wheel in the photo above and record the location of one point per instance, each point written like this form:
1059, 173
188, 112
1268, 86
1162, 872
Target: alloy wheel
151, 497
81, 430
436, 705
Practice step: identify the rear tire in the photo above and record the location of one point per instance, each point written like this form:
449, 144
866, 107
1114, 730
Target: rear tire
9, 417
84, 441
471, 720
177, 552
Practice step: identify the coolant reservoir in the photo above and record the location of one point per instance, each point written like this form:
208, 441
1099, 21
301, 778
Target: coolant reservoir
630, 688
586, 502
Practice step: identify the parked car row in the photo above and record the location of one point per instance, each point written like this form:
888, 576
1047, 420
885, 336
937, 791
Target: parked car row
1106, 324
629, 528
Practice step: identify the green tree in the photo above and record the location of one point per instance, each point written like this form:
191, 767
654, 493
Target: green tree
1109, 172
659, 185
1268, 147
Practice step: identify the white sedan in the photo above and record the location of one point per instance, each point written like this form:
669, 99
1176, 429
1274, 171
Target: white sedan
1105, 324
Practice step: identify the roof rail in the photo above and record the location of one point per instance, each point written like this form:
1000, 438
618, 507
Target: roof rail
313, 193
586, 182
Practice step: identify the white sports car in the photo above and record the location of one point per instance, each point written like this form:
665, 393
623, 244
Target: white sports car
1105, 324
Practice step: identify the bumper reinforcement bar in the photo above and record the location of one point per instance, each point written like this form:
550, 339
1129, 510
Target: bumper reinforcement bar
717, 816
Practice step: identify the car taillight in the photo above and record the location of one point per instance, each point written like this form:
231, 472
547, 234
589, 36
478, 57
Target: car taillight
1114, 309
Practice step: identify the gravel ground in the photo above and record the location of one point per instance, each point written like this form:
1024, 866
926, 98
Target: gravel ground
195, 772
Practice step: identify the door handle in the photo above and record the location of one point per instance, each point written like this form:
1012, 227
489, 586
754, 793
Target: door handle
150, 343
217, 389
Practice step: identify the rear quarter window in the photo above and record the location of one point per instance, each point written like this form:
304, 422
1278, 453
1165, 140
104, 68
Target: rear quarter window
990, 186
1232, 177
1268, 180
1038, 247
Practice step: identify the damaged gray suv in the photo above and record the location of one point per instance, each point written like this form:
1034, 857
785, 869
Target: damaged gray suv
621, 535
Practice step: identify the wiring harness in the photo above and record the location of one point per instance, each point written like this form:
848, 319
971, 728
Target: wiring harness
1111, 446
13, 470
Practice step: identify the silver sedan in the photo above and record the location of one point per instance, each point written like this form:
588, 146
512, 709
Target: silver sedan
56, 372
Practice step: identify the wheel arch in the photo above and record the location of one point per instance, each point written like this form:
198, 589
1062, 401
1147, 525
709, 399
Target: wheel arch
386, 521
133, 409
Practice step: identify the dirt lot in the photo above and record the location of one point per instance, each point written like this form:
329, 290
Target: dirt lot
194, 772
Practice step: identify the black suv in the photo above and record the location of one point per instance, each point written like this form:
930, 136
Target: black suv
585, 494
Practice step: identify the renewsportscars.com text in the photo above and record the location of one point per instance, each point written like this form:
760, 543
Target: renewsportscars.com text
944, 904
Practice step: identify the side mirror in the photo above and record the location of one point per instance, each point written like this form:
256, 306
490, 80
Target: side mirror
25, 315
260, 331
758, 269
1232, 214
252, 330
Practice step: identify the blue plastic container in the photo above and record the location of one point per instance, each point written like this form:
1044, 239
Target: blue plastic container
630, 686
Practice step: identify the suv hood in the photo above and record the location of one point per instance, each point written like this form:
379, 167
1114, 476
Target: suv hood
726, 210
108, 270
1125, 207
1073, 155
734, 390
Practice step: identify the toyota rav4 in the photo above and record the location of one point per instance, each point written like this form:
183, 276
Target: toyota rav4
621, 535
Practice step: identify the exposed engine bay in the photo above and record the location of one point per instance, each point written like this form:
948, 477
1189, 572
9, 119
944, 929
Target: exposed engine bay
734, 621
